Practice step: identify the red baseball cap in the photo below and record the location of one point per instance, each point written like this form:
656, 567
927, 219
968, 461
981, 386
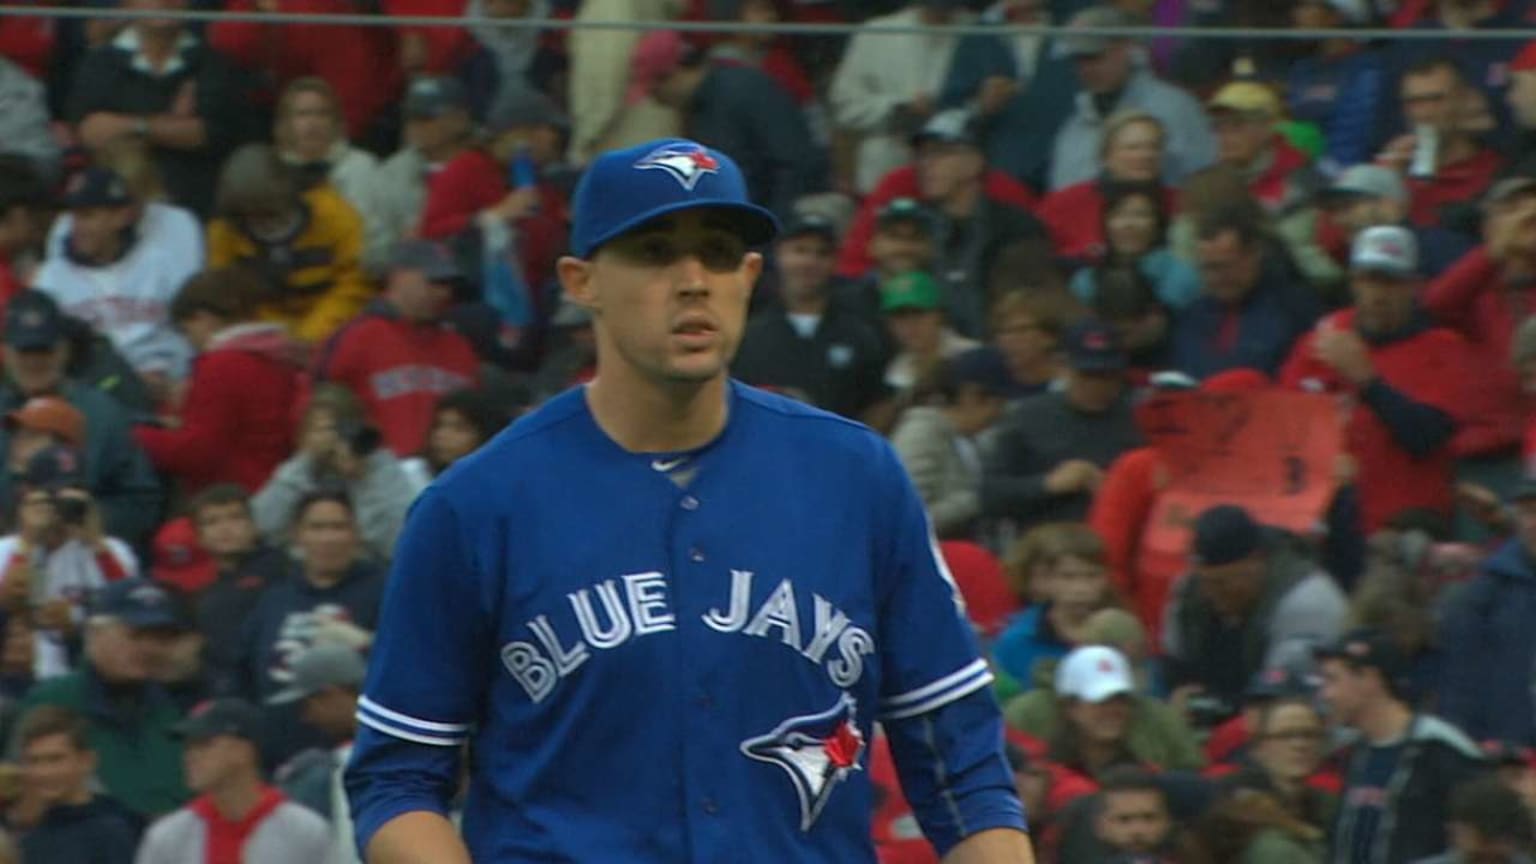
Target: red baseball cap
179, 560
656, 55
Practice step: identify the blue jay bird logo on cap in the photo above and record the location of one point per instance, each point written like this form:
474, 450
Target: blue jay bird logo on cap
817, 751
686, 162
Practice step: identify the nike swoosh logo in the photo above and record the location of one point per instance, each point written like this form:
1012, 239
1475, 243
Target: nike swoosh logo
667, 465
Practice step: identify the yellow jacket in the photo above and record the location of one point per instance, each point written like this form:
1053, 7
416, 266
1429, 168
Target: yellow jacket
318, 267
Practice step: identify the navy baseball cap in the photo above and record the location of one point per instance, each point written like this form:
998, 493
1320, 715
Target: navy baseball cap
810, 224
1091, 346
432, 259
33, 322
1366, 648
54, 468
234, 717
623, 189
97, 187
140, 604
433, 96
1225, 534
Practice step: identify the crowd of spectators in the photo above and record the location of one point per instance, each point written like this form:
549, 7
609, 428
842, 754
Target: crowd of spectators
262, 281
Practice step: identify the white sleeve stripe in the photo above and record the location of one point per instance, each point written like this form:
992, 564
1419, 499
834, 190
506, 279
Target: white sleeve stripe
923, 692
366, 704
406, 735
939, 701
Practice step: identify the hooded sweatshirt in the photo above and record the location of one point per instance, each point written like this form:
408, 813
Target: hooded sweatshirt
400, 369
237, 422
1489, 647
100, 831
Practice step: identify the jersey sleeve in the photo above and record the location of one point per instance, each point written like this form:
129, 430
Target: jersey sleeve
427, 674
929, 655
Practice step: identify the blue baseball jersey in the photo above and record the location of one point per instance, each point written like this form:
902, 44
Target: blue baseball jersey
649, 670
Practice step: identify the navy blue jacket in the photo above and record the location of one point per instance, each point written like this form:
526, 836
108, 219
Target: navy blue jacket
1018, 138
100, 831
1489, 649
1268, 322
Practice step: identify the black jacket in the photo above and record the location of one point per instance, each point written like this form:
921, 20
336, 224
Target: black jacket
741, 112
225, 606
100, 831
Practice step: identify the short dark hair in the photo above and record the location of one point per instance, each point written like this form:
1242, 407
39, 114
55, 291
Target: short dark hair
1123, 293
1243, 217
323, 495
218, 495
231, 293
1129, 778
1433, 64
1493, 810
483, 410
45, 721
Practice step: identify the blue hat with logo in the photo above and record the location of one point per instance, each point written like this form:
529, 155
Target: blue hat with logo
623, 189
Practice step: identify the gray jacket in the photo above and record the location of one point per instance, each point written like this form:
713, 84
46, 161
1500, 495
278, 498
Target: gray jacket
24, 124
380, 499
943, 465
1191, 145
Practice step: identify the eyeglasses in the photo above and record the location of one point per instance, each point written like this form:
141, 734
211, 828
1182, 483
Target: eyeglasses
1308, 736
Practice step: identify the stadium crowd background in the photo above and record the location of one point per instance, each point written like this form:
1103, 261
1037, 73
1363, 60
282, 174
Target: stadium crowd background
262, 280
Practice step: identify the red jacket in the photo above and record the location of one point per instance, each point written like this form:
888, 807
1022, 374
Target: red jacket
1272, 187
1456, 183
1473, 299
1121, 510
1075, 217
471, 182
853, 260
400, 369
359, 62
237, 421
1427, 367
447, 47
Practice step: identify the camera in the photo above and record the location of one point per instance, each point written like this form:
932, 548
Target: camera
72, 511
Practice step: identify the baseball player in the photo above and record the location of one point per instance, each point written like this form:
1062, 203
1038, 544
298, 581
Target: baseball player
666, 609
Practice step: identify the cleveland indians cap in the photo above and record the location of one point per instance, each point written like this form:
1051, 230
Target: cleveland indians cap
623, 189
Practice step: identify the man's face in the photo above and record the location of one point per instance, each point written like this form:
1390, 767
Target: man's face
1241, 137
1136, 822
416, 298
1522, 98
1383, 304
97, 234
1228, 267
1094, 392
947, 168
18, 231
313, 126
1344, 690
1106, 722
431, 136
977, 409
916, 331
902, 246
330, 711
452, 437
210, 761
1233, 588
1430, 99
327, 538
1023, 341
119, 653
1290, 744
55, 769
669, 299
226, 530
1106, 71
156, 24
37, 373
805, 265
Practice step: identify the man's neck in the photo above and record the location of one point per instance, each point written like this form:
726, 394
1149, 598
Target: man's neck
806, 303
158, 44
325, 578
1385, 722
236, 798
646, 416
962, 203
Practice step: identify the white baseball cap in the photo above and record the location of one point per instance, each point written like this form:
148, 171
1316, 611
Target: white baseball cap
1388, 249
1094, 673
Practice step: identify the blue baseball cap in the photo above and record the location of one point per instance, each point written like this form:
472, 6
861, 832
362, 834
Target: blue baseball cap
623, 189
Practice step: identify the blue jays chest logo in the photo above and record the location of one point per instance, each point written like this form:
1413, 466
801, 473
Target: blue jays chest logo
817, 751
687, 163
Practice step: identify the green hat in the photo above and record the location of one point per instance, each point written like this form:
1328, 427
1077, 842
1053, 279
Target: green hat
915, 290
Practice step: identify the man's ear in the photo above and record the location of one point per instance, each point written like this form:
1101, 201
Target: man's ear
752, 268
576, 282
